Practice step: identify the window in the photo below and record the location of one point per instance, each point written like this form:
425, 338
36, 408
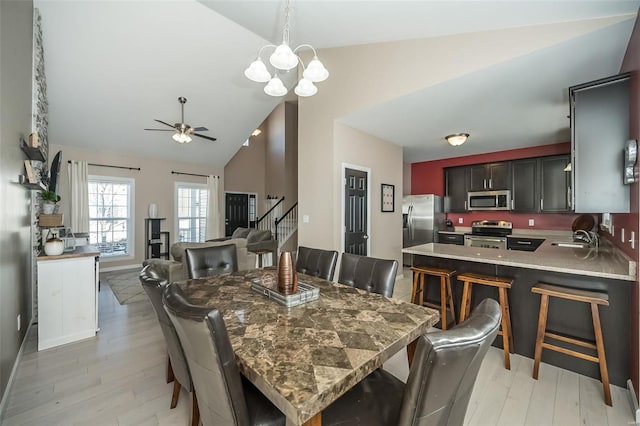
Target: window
111, 215
191, 202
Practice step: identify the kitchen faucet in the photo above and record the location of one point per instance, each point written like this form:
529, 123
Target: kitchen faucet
587, 236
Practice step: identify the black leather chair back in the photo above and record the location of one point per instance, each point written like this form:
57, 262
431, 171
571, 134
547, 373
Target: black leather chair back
368, 273
214, 260
316, 262
224, 398
206, 344
445, 368
153, 285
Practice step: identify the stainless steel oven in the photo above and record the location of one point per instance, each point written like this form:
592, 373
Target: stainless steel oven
488, 234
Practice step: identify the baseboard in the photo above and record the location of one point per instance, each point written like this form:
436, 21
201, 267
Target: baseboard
633, 400
13, 372
119, 268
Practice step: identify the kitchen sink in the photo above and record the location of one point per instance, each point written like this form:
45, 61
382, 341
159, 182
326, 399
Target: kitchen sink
574, 244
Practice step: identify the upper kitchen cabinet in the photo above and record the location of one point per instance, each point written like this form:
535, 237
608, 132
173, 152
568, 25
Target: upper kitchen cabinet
600, 129
525, 191
456, 188
555, 184
487, 177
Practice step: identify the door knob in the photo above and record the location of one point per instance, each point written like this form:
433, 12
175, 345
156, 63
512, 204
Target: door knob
365, 236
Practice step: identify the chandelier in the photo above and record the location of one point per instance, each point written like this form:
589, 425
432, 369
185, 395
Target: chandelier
284, 59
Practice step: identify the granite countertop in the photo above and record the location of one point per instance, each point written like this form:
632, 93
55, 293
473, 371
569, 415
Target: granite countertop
302, 358
606, 261
80, 251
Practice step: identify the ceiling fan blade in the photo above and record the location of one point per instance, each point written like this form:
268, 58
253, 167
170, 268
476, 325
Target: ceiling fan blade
166, 124
205, 137
161, 130
200, 129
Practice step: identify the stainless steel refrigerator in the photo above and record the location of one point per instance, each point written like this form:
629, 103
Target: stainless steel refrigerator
422, 218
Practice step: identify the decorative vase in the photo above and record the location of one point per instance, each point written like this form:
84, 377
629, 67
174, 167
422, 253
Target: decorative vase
48, 207
153, 210
285, 273
54, 245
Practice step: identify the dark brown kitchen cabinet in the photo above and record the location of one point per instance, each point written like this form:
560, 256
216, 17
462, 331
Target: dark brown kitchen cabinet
456, 179
555, 184
487, 177
525, 193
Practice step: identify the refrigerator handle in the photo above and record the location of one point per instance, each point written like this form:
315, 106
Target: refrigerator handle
410, 221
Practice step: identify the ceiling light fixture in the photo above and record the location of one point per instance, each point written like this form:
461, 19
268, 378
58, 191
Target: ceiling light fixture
457, 139
284, 59
181, 137
256, 132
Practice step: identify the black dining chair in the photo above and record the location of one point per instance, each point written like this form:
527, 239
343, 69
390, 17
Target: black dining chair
441, 379
177, 369
316, 262
224, 397
368, 273
214, 260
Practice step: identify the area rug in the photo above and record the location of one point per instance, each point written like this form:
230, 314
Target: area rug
125, 285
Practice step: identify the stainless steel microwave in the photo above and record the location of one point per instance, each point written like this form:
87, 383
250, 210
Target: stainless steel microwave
489, 200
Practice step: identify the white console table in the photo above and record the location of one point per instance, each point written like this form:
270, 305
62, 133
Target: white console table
67, 297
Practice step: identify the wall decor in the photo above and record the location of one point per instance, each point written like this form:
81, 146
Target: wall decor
388, 197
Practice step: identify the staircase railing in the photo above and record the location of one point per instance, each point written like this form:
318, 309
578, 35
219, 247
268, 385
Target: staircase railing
287, 224
268, 220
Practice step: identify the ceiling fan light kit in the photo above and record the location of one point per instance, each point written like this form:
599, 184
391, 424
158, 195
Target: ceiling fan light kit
182, 130
284, 59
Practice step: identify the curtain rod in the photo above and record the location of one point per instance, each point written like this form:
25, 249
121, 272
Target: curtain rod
189, 174
113, 167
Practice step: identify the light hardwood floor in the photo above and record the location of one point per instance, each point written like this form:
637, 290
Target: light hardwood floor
118, 378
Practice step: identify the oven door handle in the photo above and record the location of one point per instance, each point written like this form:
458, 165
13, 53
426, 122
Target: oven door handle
495, 240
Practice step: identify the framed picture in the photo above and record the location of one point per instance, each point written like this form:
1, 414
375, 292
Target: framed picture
388, 197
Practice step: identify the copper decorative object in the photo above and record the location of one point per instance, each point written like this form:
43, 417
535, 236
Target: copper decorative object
285, 273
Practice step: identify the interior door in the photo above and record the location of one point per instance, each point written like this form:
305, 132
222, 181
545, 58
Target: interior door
236, 208
355, 212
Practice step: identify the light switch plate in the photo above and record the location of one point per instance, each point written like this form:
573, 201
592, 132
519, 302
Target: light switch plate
460, 220
305, 218
532, 222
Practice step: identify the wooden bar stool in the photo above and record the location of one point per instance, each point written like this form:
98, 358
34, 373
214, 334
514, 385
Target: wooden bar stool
446, 295
594, 298
502, 284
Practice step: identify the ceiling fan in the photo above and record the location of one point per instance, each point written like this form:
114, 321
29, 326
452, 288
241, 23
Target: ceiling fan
182, 130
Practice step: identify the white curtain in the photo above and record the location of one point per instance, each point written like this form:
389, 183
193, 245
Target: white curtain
79, 195
213, 209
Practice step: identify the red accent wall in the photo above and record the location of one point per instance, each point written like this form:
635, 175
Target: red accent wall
428, 178
631, 221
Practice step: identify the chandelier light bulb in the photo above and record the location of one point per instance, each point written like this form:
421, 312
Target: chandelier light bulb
275, 87
315, 71
305, 88
257, 72
283, 58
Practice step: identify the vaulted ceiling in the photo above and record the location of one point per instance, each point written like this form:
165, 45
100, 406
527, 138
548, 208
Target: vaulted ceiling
113, 67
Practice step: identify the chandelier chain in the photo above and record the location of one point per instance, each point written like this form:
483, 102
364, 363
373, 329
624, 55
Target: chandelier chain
287, 27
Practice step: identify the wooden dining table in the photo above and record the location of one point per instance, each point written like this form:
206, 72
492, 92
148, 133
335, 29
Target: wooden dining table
304, 357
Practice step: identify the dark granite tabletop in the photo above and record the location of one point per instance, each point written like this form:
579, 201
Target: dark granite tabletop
303, 358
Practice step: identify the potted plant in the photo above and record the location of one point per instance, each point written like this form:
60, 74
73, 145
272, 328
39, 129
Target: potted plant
49, 200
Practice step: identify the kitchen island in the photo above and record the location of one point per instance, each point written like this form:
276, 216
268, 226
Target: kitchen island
604, 268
